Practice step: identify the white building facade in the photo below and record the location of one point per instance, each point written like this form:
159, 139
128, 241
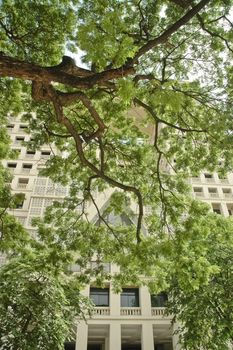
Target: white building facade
132, 320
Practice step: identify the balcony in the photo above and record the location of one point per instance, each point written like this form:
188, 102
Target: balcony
158, 311
199, 194
101, 311
131, 311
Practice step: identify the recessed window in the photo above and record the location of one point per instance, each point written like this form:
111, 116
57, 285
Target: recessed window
197, 189
212, 190
12, 165
10, 126
159, 300
227, 192
19, 205
100, 296
216, 208
19, 138
23, 127
130, 297
27, 166
208, 176
45, 153
31, 153
22, 182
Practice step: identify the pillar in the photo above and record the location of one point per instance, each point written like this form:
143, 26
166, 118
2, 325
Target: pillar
114, 303
175, 338
145, 301
115, 336
82, 335
147, 338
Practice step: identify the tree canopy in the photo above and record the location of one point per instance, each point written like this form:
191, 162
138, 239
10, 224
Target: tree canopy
150, 106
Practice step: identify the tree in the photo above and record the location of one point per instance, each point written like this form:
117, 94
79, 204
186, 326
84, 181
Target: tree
38, 301
156, 92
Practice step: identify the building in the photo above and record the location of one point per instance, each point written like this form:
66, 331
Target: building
132, 320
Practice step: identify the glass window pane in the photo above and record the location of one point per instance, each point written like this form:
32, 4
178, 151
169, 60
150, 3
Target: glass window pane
100, 296
129, 297
159, 300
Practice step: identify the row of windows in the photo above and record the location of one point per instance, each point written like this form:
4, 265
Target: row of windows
212, 191
32, 153
211, 178
22, 127
129, 297
13, 165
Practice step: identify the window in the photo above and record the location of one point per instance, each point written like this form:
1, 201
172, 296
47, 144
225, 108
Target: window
16, 151
217, 210
227, 192
23, 127
12, 165
27, 166
100, 296
19, 138
19, 205
213, 192
22, 183
208, 176
130, 297
45, 153
158, 300
30, 153
10, 126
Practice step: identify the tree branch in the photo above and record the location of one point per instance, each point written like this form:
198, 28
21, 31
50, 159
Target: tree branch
161, 39
155, 117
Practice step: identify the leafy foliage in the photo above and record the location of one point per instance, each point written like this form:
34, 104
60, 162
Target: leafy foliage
152, 107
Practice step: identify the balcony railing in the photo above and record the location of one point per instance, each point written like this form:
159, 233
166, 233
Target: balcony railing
213, 194
131, 311
199, 194
227, 195
101, 311
22, 185
158, 311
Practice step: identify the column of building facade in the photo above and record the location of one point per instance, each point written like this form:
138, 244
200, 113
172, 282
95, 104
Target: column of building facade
82, 328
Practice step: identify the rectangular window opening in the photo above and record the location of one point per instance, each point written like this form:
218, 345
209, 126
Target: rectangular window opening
130, 297
100, 296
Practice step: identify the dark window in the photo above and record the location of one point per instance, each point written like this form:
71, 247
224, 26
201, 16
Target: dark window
131, 347
10, 126
45, 153
27, 166
159, 300
217, 211
23, 181
11, 165
129, 297
19, 205
94, 347
22, 127
159, 347
208, 176
69, 346
100, 296
31, 152
19, 138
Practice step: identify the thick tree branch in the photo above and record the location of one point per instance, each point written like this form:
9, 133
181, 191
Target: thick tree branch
12, 67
